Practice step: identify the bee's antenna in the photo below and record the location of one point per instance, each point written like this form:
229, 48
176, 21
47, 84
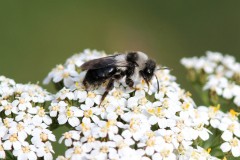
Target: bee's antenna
163, 68
157, 83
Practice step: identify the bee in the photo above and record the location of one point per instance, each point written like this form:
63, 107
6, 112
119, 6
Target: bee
115, 67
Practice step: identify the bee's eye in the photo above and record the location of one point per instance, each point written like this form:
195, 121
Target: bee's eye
148, 71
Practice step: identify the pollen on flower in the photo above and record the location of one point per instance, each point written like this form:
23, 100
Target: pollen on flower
151, 142
41, 112
151, 110
91, 94
67, 135
165, 153
209, 150
78, 150
233, 113
13, 138
186, 106
65, 75
8, 107
90, 139
60, 67
1, 148
234, 142
88, 113
55, 108
104, 149
69, 113
20, 127
137, 109
216, 108
231, 127
168, 138
117, 94
142, 101
21, 101
84, 127
158, 111
26, 149
44, 137
119, 110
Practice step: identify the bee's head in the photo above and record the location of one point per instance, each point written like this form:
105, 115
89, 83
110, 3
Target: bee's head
148, 71
137, 58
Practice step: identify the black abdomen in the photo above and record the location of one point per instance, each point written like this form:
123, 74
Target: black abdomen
98, 76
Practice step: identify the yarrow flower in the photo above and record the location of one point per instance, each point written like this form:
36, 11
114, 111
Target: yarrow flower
142, 123
131, 123
24, 122
219, 74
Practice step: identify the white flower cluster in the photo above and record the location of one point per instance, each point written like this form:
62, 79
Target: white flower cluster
69, 73
228, 125
131, 123
24, 123
222, 72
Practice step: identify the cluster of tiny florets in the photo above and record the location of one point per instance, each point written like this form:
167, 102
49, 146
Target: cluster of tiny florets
220, 75
131, 123
140, 122
24, 122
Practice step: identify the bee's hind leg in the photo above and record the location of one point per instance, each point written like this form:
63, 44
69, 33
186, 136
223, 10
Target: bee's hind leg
108, 88
129, 82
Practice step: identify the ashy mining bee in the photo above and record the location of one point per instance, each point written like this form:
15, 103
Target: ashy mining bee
117, 66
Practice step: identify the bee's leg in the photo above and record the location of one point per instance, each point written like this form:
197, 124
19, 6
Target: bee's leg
145, 79
108, 88
129, 73
129, 82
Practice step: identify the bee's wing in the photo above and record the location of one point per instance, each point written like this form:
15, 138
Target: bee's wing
103, 62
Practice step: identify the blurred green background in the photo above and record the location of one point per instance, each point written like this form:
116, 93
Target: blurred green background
37, 35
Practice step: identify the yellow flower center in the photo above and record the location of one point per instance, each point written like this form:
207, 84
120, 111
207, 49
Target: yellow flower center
117, 94
1, 148
41, 112
19, 127
158, 111
142, 101
231, 127
13, 138
150, 134
44, 137
165, 153
119, 110
185, 106
77, 150
90, 139
136, 109
151, 110
25, 149
60, 67
168, 138
233, 113
85, 127
88, 113
55, 108
21, 101
67, 135
69, 113
7, 107
65, 75
209, 150
91, 95
234, 142
104, 149
151, 142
